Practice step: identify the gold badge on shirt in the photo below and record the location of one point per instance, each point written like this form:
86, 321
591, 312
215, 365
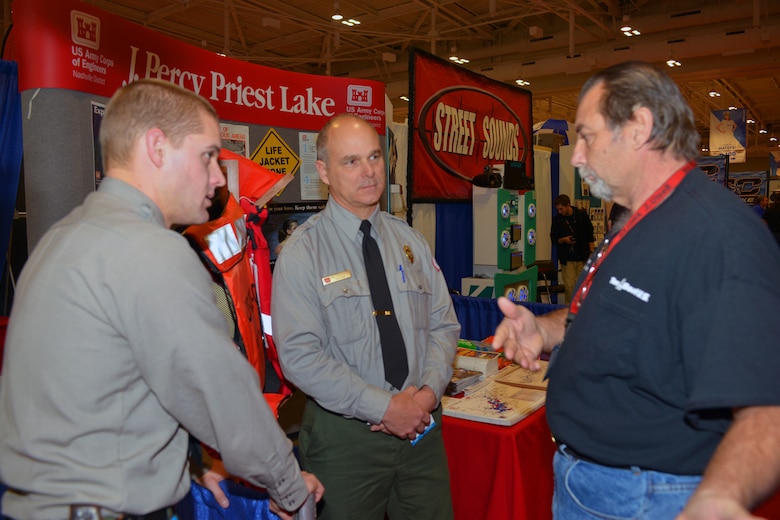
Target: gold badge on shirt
343, 275
409, 253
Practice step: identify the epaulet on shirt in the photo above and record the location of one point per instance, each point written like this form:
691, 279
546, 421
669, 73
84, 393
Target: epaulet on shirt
397, 218
402, 222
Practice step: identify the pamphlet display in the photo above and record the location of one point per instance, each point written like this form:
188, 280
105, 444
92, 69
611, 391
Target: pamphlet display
503, 398
461, 379
481, 361
495, 403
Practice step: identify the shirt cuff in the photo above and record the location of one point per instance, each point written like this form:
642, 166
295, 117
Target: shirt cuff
373, 404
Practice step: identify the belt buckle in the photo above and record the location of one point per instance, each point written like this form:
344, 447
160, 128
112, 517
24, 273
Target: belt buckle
91, 512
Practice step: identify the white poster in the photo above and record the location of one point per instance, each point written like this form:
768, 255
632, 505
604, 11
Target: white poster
235, 138
728, 134
312, 188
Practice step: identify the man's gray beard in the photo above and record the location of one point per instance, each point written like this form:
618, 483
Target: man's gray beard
598, 187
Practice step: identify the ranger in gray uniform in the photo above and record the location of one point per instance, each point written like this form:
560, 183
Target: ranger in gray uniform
357, 426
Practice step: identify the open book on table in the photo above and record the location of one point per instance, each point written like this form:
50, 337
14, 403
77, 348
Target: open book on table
495, 403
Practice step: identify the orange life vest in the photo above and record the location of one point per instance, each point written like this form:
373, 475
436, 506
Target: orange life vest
260, 256
221, 244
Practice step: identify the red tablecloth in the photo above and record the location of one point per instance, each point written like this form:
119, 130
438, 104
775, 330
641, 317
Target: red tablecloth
770, 509
500, 472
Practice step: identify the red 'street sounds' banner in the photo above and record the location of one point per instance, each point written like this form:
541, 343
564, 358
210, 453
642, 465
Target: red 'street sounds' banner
459, 124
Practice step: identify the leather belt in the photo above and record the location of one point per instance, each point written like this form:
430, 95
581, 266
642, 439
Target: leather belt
93, 512
565, 449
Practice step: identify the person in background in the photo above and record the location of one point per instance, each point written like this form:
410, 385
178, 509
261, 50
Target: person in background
288, 226
762, 201
572, 233
663, 393
361, 414
617, 217
116, 351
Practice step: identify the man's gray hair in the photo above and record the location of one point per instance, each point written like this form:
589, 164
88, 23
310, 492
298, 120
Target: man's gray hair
631, 85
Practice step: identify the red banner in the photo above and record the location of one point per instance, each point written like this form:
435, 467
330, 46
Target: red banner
461, 123
72, 45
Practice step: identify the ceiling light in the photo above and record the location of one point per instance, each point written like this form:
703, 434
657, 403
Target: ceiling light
773, 139
337, 16
404, 97
671, 63
627, 30
459, 61
732, 107
751, 121
762, 131
521, 82
351, 22
714, 93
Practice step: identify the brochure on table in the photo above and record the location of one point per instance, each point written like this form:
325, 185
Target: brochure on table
502, 399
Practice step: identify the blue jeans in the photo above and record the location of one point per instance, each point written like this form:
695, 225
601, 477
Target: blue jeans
587, 490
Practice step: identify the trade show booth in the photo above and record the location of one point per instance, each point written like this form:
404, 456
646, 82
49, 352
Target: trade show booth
470, 171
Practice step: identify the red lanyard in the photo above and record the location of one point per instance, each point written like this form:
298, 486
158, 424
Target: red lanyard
652, 202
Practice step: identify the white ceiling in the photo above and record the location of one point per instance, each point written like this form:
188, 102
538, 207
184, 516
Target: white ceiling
730, 45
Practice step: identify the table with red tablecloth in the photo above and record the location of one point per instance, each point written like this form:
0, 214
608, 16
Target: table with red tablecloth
500, 472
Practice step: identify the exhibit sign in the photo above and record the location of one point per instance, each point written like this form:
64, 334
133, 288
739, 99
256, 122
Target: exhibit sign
728, 134
462, 125
749, 185
73, 45
716, 167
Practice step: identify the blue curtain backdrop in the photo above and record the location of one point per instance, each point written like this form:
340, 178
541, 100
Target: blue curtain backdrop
10, 148
479, 317
455, 242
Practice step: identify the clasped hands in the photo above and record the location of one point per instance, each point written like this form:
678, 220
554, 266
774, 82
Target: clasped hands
409, 413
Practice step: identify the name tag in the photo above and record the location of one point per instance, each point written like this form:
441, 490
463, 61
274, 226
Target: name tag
343, 275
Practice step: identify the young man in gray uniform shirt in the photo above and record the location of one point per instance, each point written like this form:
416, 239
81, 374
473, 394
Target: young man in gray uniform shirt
116, 351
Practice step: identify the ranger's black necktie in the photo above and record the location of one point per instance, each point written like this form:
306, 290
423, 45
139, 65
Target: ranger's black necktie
393, 348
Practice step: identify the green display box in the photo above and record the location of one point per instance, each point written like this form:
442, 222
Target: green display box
518, 287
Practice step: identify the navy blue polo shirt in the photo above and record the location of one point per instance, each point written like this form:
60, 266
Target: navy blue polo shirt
679, 326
